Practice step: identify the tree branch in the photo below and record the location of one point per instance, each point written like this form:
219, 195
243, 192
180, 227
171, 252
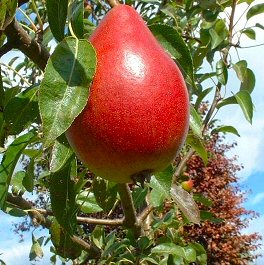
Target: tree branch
6, 48
20, 39
113, 3
131, 220
21, 2
38, 218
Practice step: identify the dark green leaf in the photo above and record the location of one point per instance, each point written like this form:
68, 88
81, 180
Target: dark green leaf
9, 162
173, 43
76, 18
227, 101
221, 72
139, 195
249, 82
218, 33
63, 196
249, 33
226, 129
57, 15
63, 243
245, 102
259, 26
36, 250
255, 10
16, 212
2, 91
22, 110
65, 87
206, 215
10, 93
195, 122
201, 96
105, 193
61, 152
88, 203
186, 203
7, 12
197, 144
200, 198
241, 69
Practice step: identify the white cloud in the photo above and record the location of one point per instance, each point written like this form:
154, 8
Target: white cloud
259, 197
256, 225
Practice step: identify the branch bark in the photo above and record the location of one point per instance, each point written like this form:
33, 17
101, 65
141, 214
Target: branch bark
113, 3
38, 218
20, 39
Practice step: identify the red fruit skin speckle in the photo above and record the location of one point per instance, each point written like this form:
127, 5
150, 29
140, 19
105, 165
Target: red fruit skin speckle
137, 115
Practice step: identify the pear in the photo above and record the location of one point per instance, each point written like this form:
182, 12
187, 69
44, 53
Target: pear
137, 115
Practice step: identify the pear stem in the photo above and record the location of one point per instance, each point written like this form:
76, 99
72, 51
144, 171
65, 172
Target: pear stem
131, 220
113, 3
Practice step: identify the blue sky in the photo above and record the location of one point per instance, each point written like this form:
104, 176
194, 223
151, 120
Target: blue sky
250, 152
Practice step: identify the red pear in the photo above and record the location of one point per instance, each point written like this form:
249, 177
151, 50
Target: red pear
137, 114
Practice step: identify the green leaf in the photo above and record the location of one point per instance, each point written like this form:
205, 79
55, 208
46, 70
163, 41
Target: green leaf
22, 110
97, 236
159, 190
221, 72
245, 102
36, 250
62, 196
60, 154
9, 162
164, 178
63, 242
28, 180
16, 212
249, 33
2, 91
57, 15
241, 69
105, 193
76, 11
7, 12
17, 180
139, 195
218, 33
64, 89
248, 83
10, 93
190, 254
186, 203
88, 203
227, 101
174, 44
255, 10
200, 198
226, 129
201, 96
259, 26
197, 144
168, 248
195, 122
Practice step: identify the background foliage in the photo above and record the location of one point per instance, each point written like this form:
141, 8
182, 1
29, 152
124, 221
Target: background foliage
86, 215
